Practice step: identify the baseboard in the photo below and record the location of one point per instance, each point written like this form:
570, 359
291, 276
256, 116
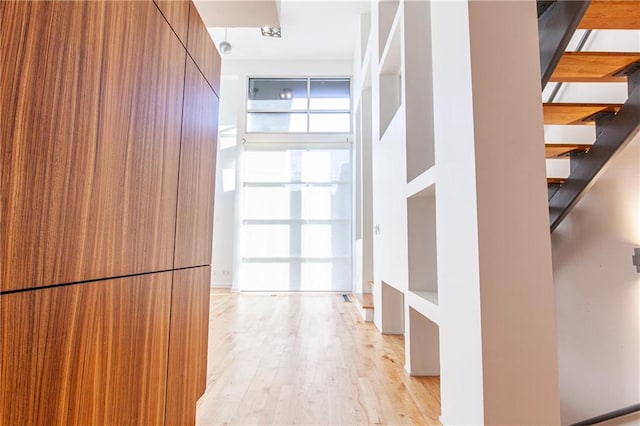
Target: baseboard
425, 373
220, 285
443, 422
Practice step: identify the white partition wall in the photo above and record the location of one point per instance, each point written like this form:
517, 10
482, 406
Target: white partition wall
487, 68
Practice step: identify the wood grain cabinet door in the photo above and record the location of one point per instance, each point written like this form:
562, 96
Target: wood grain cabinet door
91, 100
194, 229
187, 372
86, 354
201, 48
176, 12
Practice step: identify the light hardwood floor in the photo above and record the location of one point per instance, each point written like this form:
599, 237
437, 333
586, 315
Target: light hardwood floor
298, 358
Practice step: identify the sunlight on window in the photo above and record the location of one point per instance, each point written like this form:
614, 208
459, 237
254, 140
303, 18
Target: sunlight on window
330, 104
299, 105
316, 166
267, 241
277, 122
265, 203
316, 276
323, 122
316, 241
316, 202
265, 276
267, 166
296, 214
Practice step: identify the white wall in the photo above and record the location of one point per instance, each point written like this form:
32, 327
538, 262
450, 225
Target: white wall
225, 262
598, 294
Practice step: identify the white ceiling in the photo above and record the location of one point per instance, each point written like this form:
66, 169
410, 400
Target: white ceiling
311, 30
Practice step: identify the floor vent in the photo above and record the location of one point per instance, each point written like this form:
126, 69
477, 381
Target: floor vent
346, 298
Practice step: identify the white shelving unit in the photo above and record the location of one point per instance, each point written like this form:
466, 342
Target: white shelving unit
395, 71
435, 142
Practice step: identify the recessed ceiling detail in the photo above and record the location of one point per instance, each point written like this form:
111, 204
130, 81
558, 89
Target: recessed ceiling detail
234, 13
271, 32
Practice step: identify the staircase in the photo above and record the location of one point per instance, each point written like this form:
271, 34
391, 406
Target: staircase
364, 303
615, 123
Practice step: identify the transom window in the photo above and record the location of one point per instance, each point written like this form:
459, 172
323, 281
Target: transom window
299, 105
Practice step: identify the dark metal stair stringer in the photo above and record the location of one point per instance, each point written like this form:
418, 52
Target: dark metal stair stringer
556, 26
612, 137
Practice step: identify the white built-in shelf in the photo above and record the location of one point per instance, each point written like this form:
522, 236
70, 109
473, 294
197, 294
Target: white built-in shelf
425, 302
421, 238
364, 84
390, 77
394, 127
418, 88
365, 36
366, 71
365, 66
391, 57
387, 11
423, 185
393, 285
423, 343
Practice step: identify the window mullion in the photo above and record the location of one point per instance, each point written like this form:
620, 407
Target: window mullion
308, 104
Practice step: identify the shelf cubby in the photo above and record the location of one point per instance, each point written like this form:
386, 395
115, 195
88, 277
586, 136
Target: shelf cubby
425, 302
392, 309
387, 11
423, 181
424, 345
365, 33
390, 77
421, 236
419, 98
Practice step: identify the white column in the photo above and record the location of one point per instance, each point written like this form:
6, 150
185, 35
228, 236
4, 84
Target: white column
497, 319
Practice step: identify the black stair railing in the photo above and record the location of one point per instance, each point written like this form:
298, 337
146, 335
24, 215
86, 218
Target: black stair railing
609, 416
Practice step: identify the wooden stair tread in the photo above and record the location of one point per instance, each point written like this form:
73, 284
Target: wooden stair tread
612, 15
574, 113
557, 150
364, 299
552, 180
593, 66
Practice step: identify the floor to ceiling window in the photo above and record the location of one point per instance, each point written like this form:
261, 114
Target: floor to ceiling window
296, 204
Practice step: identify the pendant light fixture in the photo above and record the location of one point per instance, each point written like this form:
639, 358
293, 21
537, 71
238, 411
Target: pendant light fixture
225, 46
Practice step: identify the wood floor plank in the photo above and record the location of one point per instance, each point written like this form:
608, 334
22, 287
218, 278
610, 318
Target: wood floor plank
307, 359
593, 66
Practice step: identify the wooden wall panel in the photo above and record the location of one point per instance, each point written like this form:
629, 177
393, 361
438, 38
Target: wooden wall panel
194, 229
176, 12
86, 354
188, 346
90, 141
203, 51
